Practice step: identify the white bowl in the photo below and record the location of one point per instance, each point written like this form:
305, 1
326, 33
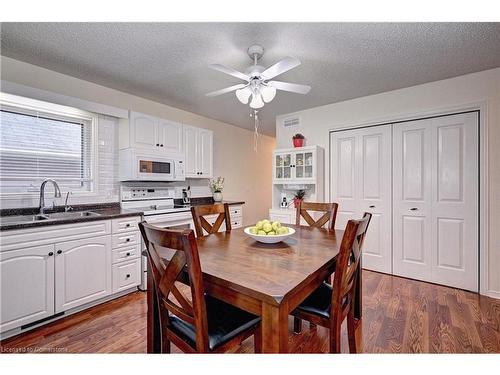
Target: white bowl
269, 239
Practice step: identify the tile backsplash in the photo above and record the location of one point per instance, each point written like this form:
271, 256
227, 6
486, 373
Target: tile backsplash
108, 185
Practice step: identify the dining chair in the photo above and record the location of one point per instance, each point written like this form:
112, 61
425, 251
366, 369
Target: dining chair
329, 214
329, 305
196, 323
200, 223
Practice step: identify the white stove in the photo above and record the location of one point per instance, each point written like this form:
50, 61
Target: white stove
159, 209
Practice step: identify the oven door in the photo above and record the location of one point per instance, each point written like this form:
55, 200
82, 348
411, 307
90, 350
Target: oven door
154, 169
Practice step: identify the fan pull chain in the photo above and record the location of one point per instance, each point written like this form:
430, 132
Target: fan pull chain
256, 129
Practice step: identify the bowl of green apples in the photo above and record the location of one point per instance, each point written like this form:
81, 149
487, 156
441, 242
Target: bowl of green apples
266, 231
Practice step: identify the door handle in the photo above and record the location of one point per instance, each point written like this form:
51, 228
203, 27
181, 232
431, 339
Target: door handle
372, 206
414, 209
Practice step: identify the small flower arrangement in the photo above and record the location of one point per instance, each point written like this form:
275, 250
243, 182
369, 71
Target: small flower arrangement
216, 184
298, 197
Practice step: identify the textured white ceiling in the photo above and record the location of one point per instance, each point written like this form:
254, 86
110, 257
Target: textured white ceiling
167, 62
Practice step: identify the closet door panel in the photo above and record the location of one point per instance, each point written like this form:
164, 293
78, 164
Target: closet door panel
455, 201
412, 200
373, 165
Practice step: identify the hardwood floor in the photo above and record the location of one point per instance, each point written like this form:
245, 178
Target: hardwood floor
399, 316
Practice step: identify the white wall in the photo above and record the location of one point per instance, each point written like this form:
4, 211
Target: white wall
459, 92
248, 174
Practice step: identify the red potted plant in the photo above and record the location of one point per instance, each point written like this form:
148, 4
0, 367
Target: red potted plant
298, 140
299, 196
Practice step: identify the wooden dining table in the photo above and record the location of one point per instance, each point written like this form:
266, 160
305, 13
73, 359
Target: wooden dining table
268, 280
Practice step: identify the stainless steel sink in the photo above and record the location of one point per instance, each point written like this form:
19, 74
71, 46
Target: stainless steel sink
71, 215
23, 219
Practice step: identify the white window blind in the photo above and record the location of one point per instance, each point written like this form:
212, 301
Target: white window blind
35, 145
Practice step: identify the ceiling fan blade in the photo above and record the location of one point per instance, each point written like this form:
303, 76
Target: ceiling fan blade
230, 71
280, 67
227, 89
292, 87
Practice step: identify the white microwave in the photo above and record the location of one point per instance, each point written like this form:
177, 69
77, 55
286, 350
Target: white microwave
136, 165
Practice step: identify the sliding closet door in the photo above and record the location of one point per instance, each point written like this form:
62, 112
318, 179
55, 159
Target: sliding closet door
361, 182
435, 186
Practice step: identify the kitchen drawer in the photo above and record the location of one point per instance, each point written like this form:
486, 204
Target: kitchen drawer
236, 223
235, 211
125, 224
126, 253
126, 275
126, 239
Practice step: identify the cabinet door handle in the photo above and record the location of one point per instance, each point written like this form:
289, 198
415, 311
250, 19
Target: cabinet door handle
59, 251
161, 145
127, 225
372, 206
414, 209
127, 240
128, 254
51, 253
128, 275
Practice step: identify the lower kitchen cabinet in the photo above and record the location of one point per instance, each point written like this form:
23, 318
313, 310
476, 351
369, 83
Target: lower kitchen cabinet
48, 270
27, 285
83, 271
126, 275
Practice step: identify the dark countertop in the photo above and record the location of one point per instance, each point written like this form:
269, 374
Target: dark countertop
13, 218
16, 218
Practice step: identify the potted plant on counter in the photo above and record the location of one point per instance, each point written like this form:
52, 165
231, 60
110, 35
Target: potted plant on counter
298, 197
298, 140
217, 184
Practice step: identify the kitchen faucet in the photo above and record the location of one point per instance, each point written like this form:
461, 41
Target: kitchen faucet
57, 193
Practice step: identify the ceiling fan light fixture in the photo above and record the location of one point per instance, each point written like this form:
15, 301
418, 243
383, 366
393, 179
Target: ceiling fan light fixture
243, 94
268, 93
257, 101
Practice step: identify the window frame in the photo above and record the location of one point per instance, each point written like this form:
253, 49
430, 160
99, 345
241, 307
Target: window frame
13, 102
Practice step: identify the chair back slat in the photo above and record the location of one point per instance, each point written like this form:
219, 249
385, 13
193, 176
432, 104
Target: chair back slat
200, 223
185, 261
329, 216
346, 267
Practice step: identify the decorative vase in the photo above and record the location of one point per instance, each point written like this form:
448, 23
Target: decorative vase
298, 142
218, 196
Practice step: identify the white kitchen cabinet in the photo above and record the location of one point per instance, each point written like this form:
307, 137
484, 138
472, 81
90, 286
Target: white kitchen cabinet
284, 216
198, 148
83, 272
297, 165
170, 136
152, 133
27, 285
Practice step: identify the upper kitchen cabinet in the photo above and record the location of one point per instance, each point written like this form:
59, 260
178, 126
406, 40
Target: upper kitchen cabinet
151, 133
198, 148
297, 165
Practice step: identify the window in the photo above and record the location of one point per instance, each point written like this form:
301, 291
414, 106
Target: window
46, 141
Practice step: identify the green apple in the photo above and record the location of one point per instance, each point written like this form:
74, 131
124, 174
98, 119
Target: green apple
283, 230
267, 227
276, 225
261, 233
253, 230
265, 221
259, 225
271, 233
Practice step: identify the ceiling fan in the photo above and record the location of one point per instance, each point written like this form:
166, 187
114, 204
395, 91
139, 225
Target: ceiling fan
259, 84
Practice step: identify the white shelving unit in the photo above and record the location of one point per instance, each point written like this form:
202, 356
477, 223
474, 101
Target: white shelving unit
300, 168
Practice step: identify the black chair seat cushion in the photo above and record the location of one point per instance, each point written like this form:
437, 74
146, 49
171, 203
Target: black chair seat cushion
319, 302
224, 322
